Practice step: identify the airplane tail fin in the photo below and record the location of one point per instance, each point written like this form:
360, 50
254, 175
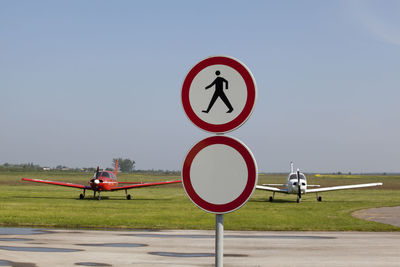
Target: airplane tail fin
291, 167
116, 168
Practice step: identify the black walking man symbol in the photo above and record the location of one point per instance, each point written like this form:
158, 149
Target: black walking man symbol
219, 92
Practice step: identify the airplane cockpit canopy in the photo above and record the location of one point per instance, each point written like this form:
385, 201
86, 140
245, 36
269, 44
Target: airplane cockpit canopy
294, 176
106, 175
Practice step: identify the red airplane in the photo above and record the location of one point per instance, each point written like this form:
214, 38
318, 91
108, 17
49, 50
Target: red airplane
103, 181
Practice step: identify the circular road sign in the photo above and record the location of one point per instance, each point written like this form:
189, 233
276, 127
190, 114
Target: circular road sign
219, 174
218, 94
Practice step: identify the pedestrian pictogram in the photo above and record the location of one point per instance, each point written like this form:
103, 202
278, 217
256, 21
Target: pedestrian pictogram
218, 94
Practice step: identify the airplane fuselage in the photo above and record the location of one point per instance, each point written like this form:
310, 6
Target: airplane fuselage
292, 186
104, 182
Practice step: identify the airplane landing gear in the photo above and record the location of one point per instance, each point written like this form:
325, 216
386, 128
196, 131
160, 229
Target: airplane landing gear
271, 198
319, 199
82, 196
298, 199
128, 197
98, 195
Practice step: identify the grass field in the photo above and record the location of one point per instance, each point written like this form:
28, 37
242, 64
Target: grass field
167, 207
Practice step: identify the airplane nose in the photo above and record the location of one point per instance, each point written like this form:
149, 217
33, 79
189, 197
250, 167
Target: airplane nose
295, 187
96, 181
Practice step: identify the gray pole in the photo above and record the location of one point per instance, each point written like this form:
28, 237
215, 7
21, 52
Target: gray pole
219, 240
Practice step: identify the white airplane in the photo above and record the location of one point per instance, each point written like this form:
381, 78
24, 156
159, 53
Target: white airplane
297, 184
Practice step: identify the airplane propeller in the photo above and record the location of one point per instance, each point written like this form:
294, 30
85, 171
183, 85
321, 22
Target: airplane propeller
298, 186
96, 181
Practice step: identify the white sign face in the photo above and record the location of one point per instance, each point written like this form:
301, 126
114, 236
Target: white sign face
219, 174
218, 94
205, 172
232, 96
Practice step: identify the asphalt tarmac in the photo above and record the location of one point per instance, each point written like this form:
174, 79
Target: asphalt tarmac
388, 215
36, 247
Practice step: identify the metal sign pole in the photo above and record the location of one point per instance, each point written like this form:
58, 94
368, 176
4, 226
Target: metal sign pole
219, 240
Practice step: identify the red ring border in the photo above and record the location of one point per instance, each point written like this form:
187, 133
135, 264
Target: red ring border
251, 94
251, 175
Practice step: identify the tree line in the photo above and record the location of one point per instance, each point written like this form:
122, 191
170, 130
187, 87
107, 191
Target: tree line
124, 165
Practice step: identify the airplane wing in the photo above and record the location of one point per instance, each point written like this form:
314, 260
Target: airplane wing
143, 185
341, 187
273, 189
57, 183
130, 183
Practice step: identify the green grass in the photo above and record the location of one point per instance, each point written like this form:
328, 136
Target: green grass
167, 207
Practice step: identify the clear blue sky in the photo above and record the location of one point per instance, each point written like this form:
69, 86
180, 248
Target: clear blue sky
82, 82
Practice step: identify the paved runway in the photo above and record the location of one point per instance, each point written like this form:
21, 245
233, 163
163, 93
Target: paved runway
30, 247
388, 215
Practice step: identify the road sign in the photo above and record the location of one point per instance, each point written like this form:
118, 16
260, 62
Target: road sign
219, 174
218, 94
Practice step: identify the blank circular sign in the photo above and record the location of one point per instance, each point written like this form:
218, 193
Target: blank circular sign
219, 174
